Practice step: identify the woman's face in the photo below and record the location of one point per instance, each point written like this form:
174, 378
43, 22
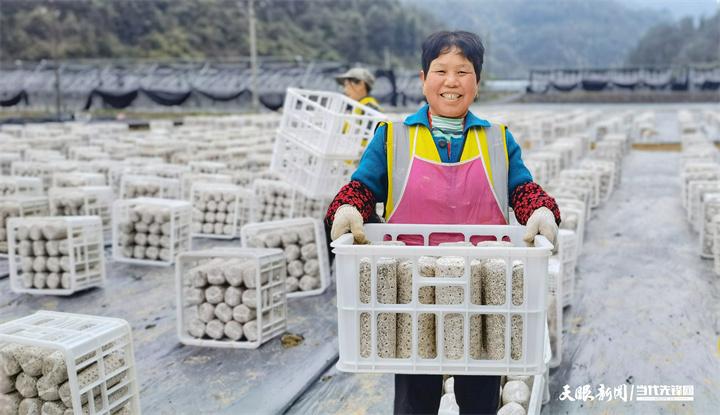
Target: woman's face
450, 86
354, 89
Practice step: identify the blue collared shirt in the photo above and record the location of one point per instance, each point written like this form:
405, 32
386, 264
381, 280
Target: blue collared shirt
372, 170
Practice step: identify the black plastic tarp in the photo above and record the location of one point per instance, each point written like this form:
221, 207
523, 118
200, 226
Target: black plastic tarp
167, 98
224, 97
272, 101
113, 99
14, 98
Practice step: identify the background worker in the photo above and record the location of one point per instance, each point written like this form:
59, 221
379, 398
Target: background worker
357, 84
448, 166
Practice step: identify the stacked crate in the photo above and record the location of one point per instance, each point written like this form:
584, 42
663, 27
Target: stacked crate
320, 140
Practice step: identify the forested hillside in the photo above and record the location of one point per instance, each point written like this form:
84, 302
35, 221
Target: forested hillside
346, 30
679, 43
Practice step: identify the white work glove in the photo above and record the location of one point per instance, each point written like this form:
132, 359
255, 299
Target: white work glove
348, 218
542, 221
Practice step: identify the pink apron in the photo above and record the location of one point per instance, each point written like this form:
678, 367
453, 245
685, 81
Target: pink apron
437, 193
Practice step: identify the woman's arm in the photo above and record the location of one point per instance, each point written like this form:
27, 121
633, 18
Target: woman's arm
525, 195
369, 182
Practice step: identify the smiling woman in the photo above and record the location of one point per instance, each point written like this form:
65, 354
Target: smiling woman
444, 165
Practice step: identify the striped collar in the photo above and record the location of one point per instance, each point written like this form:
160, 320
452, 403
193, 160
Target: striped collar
421, 117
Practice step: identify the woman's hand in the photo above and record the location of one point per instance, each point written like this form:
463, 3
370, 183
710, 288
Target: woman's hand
348, 218
542, 221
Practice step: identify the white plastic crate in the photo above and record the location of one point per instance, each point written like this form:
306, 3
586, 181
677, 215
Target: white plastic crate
95, 354
366, 317
704, 175
710, 208
219, 210
586, 178
164, 225
212, 289
561, 190
56, 255
567, 255
607, 175
697, 189
318, 176
326, 122
23, 206
133, 186
188, 179
551, 159
77, 179
6, 160
305, 249
85, 201
573, 219
11, 186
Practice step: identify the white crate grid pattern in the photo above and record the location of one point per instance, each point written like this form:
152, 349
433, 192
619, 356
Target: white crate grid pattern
716, 244
538, 170
710, 209
318, 176
165, 188
617, 159
556, 288
695, 196
20, 186
589, 179
85, 252
607, 178
709, 173
243, 202
26, 207
326, 122
6, 161
97, 201
271, 297
83, 340
583, 195
180, 227
252, 229
532, 309
271, 191
568, 253
573, 207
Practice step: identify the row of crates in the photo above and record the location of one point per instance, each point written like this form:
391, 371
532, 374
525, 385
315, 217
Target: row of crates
579, 181
700, 190
145, 231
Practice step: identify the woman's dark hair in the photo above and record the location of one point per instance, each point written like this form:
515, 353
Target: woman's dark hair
441, 42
